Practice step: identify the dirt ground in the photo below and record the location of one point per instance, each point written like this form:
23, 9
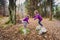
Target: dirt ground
11, 32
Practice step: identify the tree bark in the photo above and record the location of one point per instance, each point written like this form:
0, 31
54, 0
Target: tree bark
51, 10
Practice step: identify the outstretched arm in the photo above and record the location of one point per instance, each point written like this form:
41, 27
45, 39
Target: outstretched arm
35, 17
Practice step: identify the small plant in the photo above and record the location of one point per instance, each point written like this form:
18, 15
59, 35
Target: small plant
24, 30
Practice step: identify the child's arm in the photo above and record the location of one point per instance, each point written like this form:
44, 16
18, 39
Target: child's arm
27, 22
35, 17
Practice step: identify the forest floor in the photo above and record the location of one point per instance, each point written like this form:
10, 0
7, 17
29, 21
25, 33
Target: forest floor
11, 32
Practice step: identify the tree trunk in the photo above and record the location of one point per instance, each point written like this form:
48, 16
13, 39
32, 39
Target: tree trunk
51, 10
10, 14
15, 15
12, 11
45, 12
4, 13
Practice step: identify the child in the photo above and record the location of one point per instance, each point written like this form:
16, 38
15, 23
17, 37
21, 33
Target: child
37, 16
39, 29
25, 21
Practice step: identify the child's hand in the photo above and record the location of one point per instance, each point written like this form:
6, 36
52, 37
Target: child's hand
34, 19
28, 23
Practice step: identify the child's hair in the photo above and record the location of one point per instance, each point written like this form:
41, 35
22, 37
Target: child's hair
26, 15
36, 11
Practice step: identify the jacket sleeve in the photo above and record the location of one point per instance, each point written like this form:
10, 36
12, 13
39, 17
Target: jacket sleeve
35, 17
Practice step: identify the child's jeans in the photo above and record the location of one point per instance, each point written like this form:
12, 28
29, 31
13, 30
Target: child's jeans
40, 23
24, 23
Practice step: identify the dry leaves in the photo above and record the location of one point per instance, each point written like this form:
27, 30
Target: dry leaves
12, 33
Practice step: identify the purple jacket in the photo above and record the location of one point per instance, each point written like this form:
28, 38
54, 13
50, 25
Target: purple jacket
26, 19
37, 16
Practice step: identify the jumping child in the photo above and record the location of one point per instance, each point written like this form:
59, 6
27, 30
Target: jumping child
37, 16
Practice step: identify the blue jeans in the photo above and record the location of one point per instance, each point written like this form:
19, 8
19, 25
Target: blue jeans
40, 23
25, 24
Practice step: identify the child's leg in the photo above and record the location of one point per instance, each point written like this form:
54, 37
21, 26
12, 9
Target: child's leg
25, 24
40, 23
